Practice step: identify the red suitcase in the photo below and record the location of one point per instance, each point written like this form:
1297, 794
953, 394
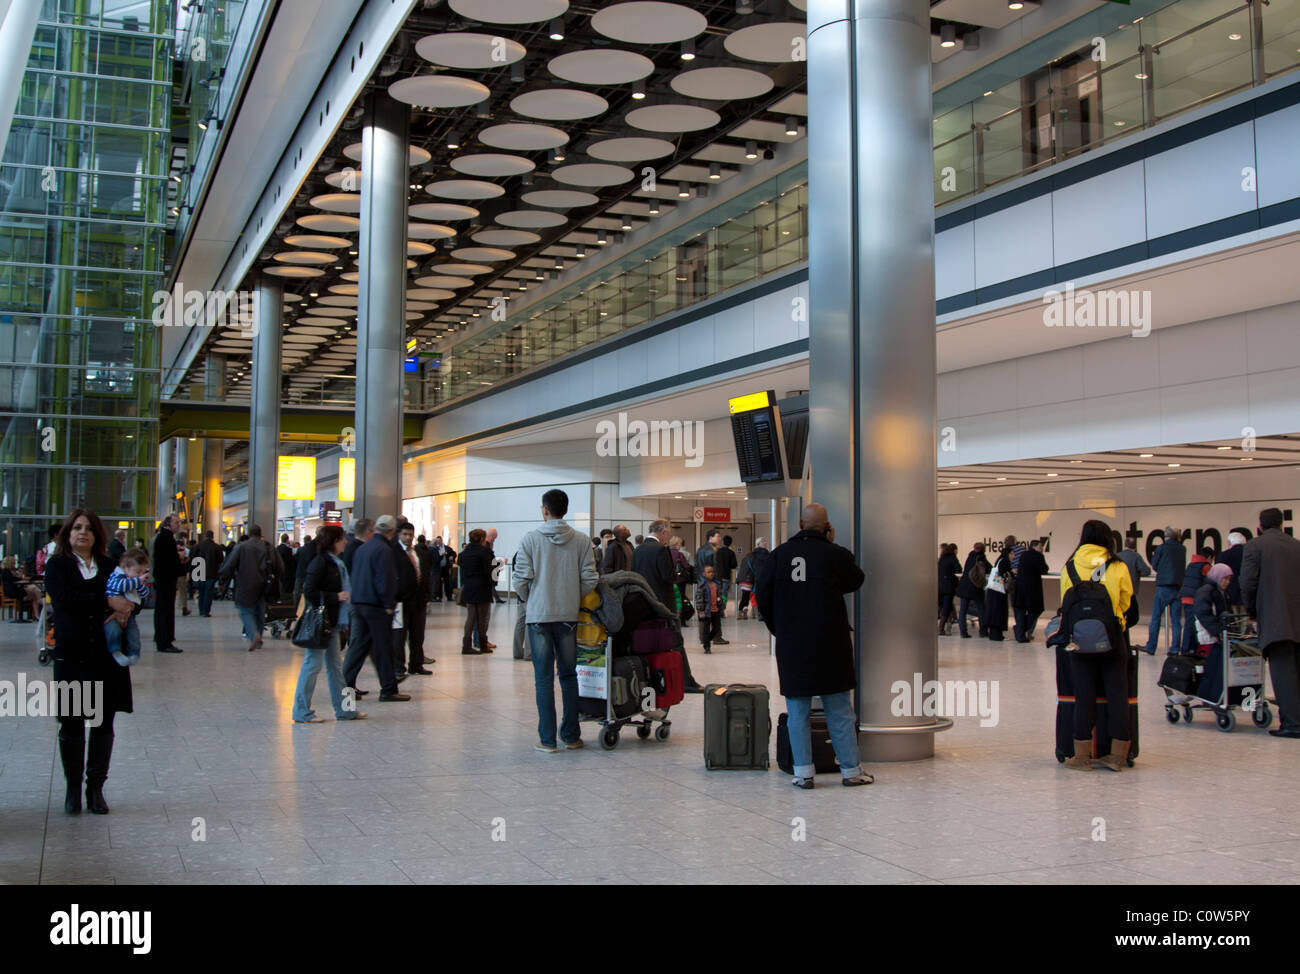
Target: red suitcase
653, 636
666, 677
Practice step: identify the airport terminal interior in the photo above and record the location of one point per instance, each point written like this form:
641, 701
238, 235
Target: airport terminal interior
1002, 276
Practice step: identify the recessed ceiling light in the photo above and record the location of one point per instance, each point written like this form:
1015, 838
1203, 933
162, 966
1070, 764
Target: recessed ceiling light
638, 90
953, 483
1110, 469
684, 191
557, 29
1146, 456
1173, 465
715, 171
791, 127
688, 49
1015, 5
987, 93
1002, 478
1120, 123
947, 36
1247, 459
1223, 448
1142, 76
1076, 461
1053, 475
751, 150
1234, 37
654, 208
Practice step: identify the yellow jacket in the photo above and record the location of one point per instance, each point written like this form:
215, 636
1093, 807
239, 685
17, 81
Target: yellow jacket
1118, 581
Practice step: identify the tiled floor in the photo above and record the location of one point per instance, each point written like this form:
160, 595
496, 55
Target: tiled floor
212, 783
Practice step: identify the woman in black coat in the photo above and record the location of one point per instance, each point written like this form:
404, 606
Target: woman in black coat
1027, 597
326, 584
995, 602
76, 579
949, 571
972, 595
476, 588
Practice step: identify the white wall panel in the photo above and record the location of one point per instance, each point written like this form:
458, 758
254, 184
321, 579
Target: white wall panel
954, 261
1202, 351
1098, 215
1277, 147
1207, 410
1272, 336
1014, 242
1199, 182
1054, 377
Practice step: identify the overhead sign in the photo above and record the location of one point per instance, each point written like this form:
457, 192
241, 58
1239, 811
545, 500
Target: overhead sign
347, 478
297, 479
713, 515
744, 404
755, 425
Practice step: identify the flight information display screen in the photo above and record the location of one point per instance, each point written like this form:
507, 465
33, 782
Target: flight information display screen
758, 449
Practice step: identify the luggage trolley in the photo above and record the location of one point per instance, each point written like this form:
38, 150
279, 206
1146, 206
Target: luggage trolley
1242, 667
598, 685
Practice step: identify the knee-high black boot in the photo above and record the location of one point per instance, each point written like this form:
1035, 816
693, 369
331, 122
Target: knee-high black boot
100, 753
72, 751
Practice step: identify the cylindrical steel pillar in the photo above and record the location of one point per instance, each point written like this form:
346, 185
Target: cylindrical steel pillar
872, 338
381, 307
264, 424
183, 475
214, 451
166, 460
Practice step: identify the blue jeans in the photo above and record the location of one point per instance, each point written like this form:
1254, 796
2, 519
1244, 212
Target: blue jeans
254, 619
723, 589
124, 644
205, 596
312, 661
554, 646
840, 721
1165, 594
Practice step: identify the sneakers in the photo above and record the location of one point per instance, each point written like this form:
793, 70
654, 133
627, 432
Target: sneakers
574, 745
862, 778
805, 783
546, 748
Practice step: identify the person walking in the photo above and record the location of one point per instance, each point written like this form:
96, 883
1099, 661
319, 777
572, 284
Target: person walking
970, 589
1027, 597
167, 570
725, 564
76, 580
1270, 586
1097, 673
209, 555
252, 565
297, 571
997, 591
653, 561
1170, 565
372, 605
554, 570
750, 566
683, 577
949, 574
801, 597
328, 587
476, 593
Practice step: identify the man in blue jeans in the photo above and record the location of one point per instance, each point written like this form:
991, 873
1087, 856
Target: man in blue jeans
554, 569
1170, 564
800, 592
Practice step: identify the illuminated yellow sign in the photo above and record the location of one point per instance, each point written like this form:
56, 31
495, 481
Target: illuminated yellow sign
745, 404
410, 345
123, 524
347, 478
297, 479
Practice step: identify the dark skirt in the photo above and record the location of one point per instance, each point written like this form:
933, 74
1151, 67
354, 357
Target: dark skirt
100, 666
995, 610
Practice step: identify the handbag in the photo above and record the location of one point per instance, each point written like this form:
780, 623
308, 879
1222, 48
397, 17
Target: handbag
312, 630
997, 582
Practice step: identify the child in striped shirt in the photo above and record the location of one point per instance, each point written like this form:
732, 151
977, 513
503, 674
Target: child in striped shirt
130, 579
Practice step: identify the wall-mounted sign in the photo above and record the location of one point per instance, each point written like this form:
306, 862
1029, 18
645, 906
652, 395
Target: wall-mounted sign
297, 479
347, 478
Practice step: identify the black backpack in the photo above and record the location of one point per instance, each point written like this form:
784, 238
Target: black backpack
1087, 623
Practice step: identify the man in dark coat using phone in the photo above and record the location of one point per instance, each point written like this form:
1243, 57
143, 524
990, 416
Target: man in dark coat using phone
800, 593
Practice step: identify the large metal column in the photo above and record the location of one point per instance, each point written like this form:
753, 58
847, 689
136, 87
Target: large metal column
166, 478
264, 424
872, 354
18, 23
214, 451
381, 307
183, 474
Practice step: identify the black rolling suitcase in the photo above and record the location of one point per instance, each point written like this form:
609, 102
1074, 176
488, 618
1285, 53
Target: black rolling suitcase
823, 751
737, 726
1100, 734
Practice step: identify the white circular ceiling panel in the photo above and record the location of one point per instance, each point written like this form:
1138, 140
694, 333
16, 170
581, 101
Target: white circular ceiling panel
330, 223
649, 22
303, 257
630, 149
338, 202
439, 91
415, 157
464, 189
430, 294
332, 323
492, 164
491, 254
592, 174
346, 180
558, 104
672, 118
345, 289
316, 241
522, 136
466, 50
601, 67
509, 11
530, 218
773, 43
441, 211
559, 199
286, 270
461, 270
418, 248
428, 231
722, 84
506, 238
440, 280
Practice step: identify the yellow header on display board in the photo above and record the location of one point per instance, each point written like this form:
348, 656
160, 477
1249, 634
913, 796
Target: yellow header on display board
755, 400
347, 478
297, 479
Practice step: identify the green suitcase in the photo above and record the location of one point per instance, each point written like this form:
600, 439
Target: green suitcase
737, 726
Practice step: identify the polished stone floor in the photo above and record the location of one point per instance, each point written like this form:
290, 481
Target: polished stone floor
212, 783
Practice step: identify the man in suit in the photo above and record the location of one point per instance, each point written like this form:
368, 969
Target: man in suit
374, 599
654, 562
117, 546
166, 568
410, 592
437, 555
287, 560
618, 553
1270, 584
1027, 595
301, 562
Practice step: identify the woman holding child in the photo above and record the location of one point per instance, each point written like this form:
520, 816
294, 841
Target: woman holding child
76, 580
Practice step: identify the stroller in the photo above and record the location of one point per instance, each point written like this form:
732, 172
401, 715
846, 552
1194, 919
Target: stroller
1230, 679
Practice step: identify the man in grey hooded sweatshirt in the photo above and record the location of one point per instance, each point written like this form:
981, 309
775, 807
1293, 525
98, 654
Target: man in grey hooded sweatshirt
554, 569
